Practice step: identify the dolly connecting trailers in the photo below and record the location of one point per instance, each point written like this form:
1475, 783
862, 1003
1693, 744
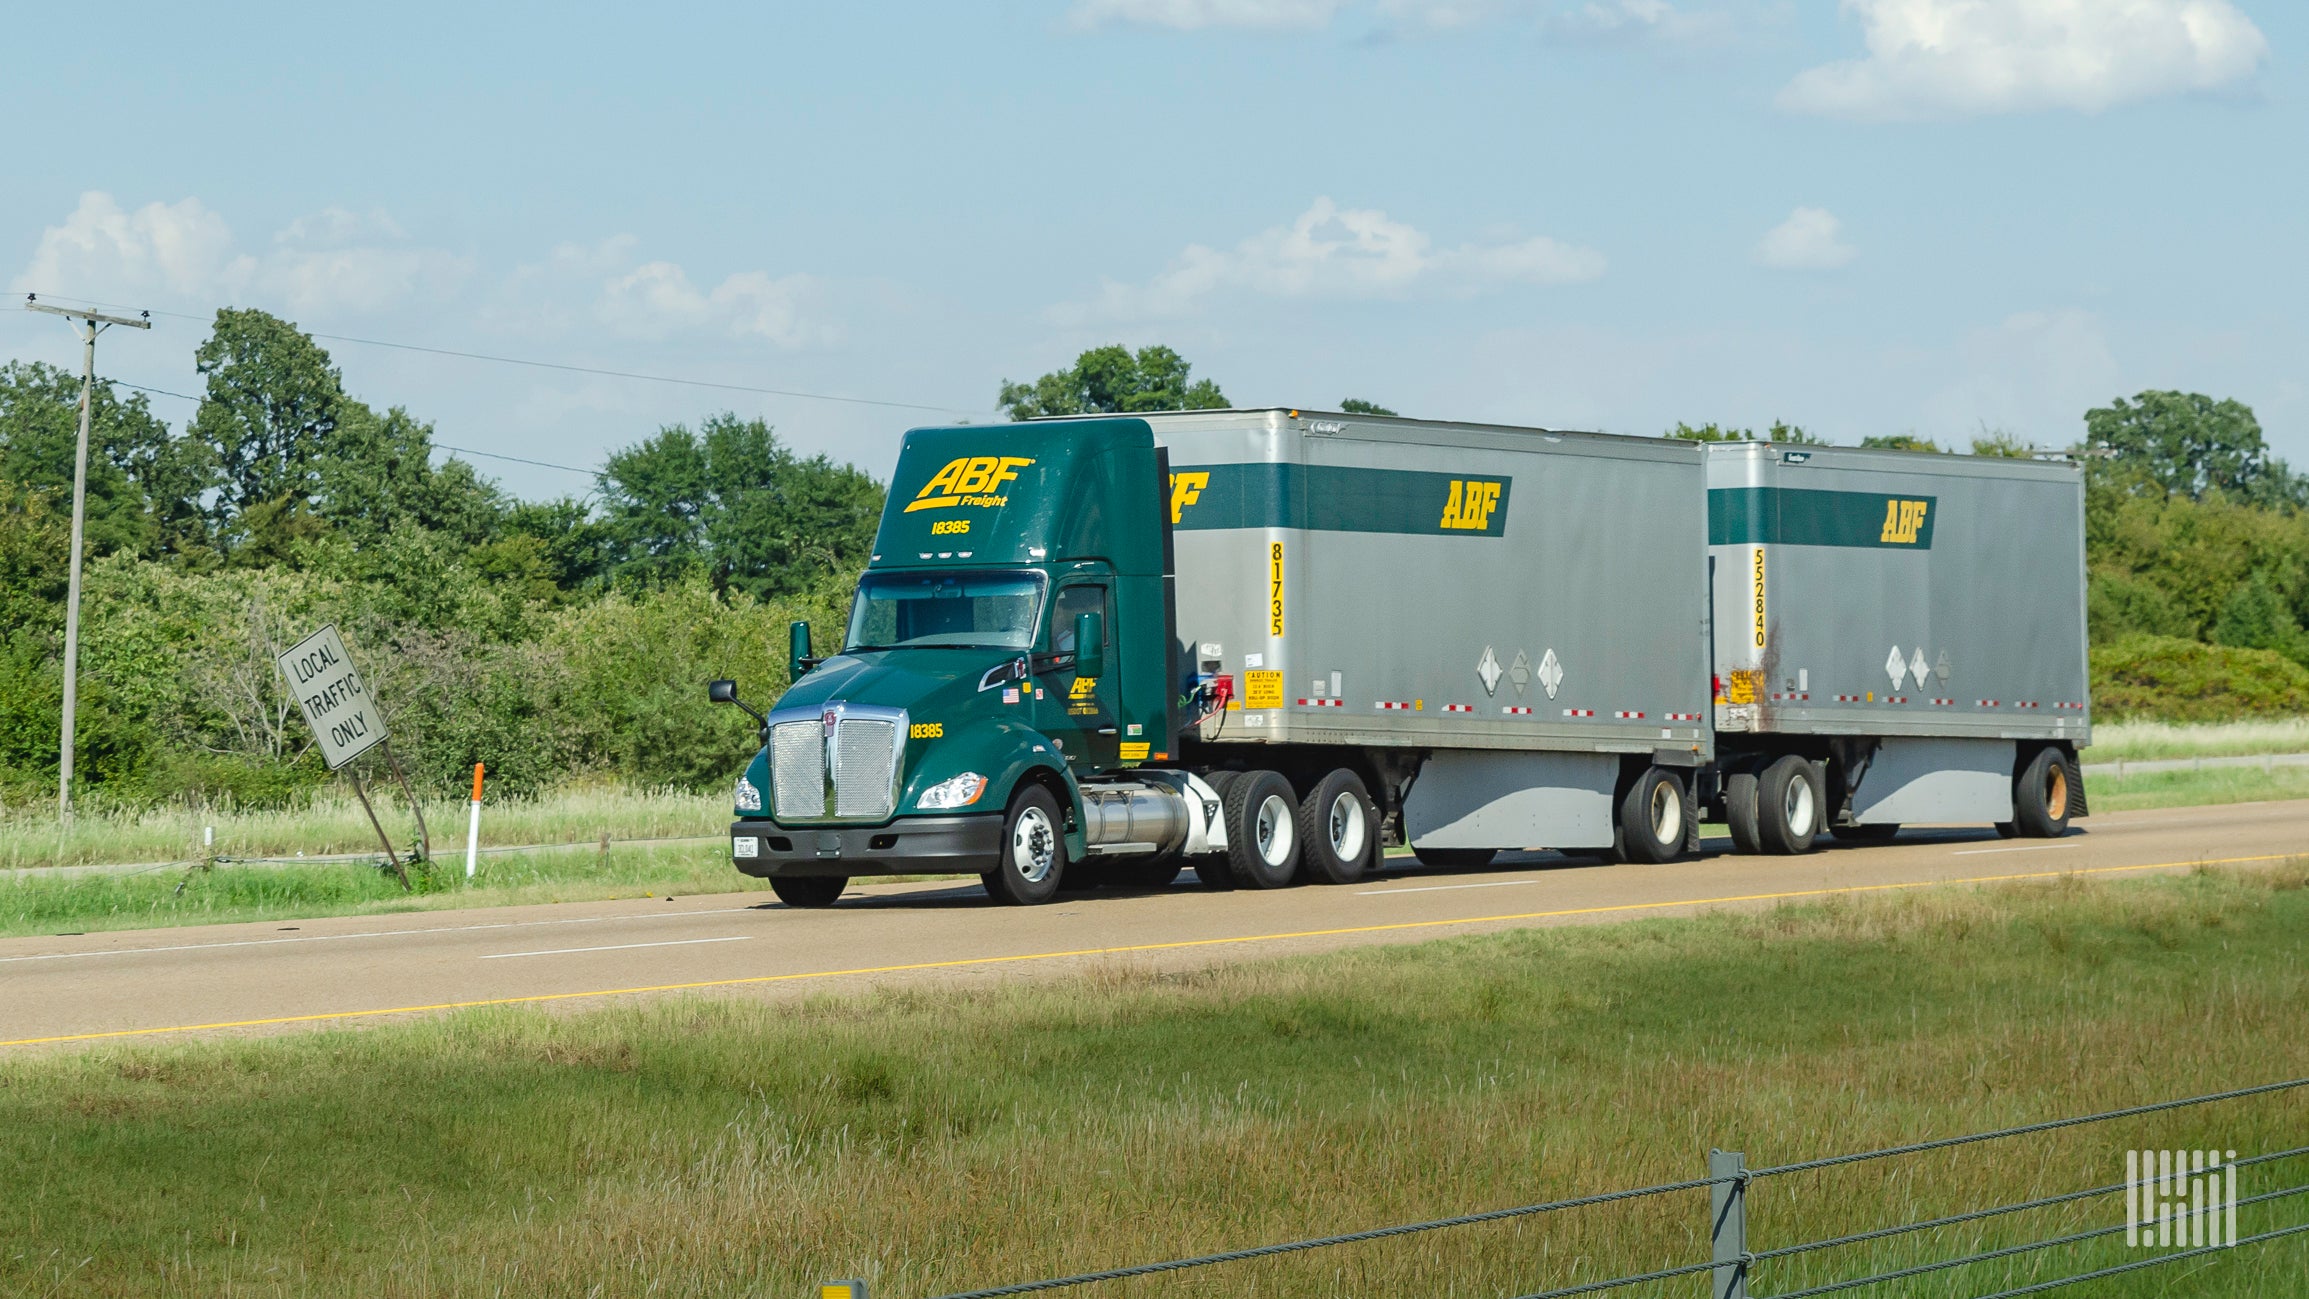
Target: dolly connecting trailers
1256, 641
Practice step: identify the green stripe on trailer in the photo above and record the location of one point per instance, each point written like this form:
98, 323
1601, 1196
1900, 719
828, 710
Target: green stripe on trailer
1794, 516
1338, 498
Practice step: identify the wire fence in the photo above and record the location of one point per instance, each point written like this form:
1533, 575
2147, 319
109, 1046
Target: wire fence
1731, 1266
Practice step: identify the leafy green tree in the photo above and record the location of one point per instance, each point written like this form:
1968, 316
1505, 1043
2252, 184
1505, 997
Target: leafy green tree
1112, 380
2188, 444
272, 400
144, 486
733, 504
2258, 616
1779, 432
374, 474
1901, 442
1358, 406
1998, 443
571, 545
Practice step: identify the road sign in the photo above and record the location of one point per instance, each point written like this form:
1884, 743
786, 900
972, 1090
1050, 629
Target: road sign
336, 705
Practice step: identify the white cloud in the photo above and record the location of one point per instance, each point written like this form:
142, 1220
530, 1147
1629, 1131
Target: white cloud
101, 251
1811, 239
656, 299
1342, 253
1193, 15
1949, 58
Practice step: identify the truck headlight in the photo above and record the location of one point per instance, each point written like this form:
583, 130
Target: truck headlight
959, 791
749, 798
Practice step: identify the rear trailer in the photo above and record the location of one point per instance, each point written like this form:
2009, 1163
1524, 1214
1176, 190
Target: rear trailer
1499, 629
1899, 638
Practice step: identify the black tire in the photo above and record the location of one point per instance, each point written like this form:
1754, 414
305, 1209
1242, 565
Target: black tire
1455, 858
1789, 805
1033, 851
1262, 830
1878, 833
1653, 817
1211, 869
1338, 830
2042, 796
808, 890
1740, 812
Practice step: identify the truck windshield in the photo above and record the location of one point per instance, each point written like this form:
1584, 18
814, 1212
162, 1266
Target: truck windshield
963, 610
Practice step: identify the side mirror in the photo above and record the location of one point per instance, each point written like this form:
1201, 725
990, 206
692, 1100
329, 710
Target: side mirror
1089, 645
798, 660
722, 692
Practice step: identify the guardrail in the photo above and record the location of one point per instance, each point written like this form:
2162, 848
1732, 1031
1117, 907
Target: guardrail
1732, 1265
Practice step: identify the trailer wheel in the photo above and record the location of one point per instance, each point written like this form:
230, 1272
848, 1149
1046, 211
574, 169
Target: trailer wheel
808, 890
1653, 818
1033, 851
1212, 870
2040, 796
1457, 858
1877, 833
1740, 811
1338, 829
1789, 800
1262, 829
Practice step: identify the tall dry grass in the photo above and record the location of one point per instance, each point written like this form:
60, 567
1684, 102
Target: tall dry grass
2143, 741
934, 1140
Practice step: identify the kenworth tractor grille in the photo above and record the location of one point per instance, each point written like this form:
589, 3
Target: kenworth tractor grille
837, 764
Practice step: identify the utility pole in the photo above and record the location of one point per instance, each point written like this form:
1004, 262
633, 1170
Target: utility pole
87, 324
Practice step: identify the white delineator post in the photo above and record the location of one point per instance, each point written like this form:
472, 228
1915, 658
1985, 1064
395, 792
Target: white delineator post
473, 826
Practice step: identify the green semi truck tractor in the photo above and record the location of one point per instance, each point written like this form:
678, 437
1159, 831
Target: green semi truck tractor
1262, 643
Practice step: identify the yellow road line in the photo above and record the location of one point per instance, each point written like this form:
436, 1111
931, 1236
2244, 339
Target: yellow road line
1141, 947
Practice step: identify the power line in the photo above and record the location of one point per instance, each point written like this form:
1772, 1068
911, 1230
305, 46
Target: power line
463, 451
607, 373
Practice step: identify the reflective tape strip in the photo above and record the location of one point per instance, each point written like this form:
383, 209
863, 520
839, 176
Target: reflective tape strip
1795, 696
1579, 712
2027, 703
1459, 708
1945, 703
1986, 703
1515, 711
1629, 717
1679, 717
1896, 699
1850, 699
1392, 706
1322, 703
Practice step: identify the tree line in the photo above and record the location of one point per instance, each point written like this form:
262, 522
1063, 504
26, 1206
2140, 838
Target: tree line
565, 638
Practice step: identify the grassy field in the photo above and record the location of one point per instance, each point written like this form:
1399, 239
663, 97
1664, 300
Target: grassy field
940, 1139
2143, 741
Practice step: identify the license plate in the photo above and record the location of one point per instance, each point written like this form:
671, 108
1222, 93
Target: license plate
745, 845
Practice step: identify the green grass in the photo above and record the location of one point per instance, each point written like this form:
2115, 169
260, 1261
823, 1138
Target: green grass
936, 1139
2146, 741
2141, 791
44, 904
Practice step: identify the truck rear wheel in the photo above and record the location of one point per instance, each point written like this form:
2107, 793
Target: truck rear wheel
1338, 829
1033, 851
1740, 811
1789, 799
1262, 829
1652, 818
2040, 796
808, 890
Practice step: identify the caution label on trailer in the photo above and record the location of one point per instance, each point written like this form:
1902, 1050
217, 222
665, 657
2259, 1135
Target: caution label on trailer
1263, 689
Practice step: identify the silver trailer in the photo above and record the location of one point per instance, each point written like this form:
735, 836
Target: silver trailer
1912, 625
1508, 621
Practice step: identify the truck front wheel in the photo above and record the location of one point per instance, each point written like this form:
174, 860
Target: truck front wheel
1033, 851
1262, 829
808, 890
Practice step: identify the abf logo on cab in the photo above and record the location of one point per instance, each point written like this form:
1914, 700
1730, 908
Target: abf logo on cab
969, 480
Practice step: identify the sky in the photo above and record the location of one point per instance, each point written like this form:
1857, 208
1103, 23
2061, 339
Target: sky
1862, 217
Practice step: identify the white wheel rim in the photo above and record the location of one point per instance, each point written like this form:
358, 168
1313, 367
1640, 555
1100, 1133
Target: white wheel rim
1667, 812
1033, 845
1347, 828
1798, 807
1274, 832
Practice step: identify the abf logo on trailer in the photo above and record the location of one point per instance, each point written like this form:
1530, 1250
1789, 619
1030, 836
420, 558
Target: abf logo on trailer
1187, 488
1903, 521
969, 480
1471, 504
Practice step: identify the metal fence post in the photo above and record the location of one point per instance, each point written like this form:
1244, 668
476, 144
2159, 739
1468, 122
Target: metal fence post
1728, 1224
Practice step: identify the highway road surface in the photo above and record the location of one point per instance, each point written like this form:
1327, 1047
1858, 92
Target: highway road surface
159, 984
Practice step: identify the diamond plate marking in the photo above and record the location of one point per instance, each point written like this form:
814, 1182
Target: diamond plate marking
1897, 666
1519, 672
1487, 668
1918, 668
1550, 672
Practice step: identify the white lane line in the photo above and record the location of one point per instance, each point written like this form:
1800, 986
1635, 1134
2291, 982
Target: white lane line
618, 947
374, 933
1444, 888
2032, 847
